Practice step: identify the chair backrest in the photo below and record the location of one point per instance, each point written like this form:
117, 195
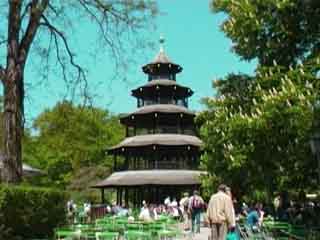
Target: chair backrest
134, 226
137, 235
107, 235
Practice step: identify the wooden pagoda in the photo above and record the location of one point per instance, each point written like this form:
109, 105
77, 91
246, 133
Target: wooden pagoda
160, 155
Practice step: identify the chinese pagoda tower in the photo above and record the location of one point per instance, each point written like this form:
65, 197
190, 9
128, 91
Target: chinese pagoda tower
160, 155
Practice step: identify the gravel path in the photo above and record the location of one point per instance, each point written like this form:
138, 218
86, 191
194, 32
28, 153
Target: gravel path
203, 235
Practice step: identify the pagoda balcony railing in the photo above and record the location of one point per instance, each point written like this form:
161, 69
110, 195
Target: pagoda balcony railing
161, 164
162, 76
164, 130
159, 100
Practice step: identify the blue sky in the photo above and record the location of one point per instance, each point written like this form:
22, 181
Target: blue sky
193, 40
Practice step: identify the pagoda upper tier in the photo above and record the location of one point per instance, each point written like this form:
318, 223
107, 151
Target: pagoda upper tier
161, 66
152, 115
168, 91
162, 87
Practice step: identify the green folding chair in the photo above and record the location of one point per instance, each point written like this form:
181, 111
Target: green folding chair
137, 235
134, 226
65, 234
107, 236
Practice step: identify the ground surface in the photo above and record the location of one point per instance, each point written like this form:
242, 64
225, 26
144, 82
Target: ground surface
203, 235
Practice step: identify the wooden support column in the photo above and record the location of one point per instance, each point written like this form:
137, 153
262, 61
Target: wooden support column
156, 158
154, 125
126, 197
146, 163
154, 193
126, 162
134, 164
134, 200
115, 168
142, 191
148, 193
120, 198
158, 200
102, 196
138, 196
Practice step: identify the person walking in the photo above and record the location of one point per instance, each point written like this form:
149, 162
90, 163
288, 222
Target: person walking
220, 213
184, 204
196, 205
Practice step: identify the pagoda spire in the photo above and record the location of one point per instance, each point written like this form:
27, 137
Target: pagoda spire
161, 64
161, 41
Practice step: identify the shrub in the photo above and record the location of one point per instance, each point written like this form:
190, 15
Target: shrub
29, 212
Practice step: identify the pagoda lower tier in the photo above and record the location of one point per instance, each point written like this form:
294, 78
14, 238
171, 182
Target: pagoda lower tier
154, 140
157, 151
152, 186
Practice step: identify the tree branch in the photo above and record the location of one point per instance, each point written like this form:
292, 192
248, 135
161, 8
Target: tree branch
81, 76
2, 73
26, 9
100, 23
14, 21
3, 41
55, 31
36, 11
53, 9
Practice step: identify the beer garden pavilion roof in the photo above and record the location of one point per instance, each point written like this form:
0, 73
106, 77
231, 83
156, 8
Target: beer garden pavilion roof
151, 177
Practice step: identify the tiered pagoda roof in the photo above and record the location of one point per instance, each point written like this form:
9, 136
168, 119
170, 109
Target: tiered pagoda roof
161, 64
143, 114
152, 177
177, 140
162, 86
161, 147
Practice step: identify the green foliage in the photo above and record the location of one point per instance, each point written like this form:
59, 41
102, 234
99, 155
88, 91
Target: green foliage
28, 212
83, 179
282, 30
256, 130
68, 139
265, 145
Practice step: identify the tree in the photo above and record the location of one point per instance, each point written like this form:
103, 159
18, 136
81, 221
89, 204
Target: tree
263, 146
282, 31
69, 141
27, 22
256, 132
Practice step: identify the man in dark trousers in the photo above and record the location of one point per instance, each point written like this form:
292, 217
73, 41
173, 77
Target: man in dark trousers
196, 205
220, 213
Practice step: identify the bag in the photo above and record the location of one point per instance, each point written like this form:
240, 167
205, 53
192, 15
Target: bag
232, 236
186, 203
196, 203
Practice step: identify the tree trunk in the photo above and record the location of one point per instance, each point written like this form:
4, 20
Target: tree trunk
13, 123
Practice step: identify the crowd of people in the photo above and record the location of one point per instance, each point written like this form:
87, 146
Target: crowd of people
298, 211
221, 213
74, 212
187, 210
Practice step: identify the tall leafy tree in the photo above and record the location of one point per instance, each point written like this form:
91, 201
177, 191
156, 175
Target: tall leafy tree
285, 31
43, 25
256, 134
68, 140
264, 145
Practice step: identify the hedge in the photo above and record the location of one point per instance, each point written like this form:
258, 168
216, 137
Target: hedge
30, 212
